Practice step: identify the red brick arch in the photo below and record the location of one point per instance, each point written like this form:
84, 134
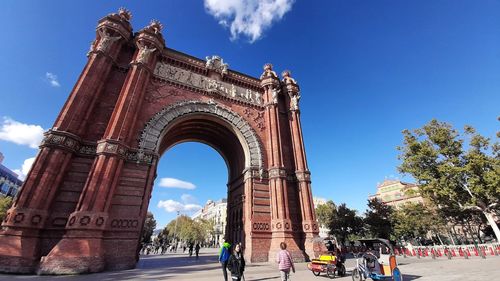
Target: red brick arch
83, 204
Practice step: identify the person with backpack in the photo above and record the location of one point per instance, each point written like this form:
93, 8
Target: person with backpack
236, 263
285, 262
224, 255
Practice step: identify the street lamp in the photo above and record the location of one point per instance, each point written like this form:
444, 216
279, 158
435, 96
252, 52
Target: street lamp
175, 229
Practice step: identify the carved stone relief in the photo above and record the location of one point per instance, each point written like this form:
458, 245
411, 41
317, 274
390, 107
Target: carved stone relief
198, 81
217, 64
106, 40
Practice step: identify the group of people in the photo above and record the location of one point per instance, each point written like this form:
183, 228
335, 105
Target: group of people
161, 248
235, 262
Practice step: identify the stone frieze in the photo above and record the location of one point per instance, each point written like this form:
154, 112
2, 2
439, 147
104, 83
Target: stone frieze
201, 82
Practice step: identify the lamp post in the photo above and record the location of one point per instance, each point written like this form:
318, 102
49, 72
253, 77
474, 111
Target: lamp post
175, 230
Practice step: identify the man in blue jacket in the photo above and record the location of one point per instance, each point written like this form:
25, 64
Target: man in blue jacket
224, 255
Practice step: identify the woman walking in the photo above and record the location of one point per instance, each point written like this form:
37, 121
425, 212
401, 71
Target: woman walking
236, 263
285, 262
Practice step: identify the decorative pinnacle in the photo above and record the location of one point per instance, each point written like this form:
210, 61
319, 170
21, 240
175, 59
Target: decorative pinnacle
268, 67
124, 13
156, 26
286, 74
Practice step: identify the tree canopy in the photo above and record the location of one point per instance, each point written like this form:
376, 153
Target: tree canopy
453, 176
149, 227
186, 229
345, 222
5, 203
378, 219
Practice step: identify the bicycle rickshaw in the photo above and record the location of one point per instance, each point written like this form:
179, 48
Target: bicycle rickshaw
331, 263
377, 262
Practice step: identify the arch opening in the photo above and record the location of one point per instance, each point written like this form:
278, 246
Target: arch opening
223, 130
208, 130
191, 176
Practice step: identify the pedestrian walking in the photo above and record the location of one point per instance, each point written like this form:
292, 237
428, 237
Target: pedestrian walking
236, 263
190, 249
224, 255
197, 250
285, 262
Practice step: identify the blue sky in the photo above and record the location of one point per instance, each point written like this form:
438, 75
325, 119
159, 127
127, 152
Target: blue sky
367, 70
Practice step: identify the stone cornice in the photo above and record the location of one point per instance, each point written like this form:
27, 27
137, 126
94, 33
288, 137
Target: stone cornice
72, 143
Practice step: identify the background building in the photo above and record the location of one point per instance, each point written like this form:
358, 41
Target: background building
9, 183
216, 212
323, 230
396, 193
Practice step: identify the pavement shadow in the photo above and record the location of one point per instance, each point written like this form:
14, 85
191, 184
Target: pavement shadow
410, 277
266, 278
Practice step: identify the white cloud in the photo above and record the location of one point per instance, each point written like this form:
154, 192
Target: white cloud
174, 206
176, 183
52, 79
248, 17
187, 199
23, 172
20, 133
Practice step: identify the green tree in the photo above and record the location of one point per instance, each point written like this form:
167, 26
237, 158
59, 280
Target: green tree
452, 177
325, 212
149, 227
378, 219
345, 222
164, 236
186, 229
5, 204
412, 220
207, 228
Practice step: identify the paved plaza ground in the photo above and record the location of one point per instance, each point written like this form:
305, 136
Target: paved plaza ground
181, 267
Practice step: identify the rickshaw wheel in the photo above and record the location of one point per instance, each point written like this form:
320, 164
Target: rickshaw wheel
330, 272
355, 275
396, 275
341, 270
316, 273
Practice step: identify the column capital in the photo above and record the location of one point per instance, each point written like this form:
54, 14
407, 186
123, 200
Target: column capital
119, 149
149, 42
277, 172
151, 36
60, 139
110, 29
303, 176
269, 79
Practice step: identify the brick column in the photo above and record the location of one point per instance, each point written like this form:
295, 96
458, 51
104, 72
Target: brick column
20, 234
310, 226
281, 225
81, 249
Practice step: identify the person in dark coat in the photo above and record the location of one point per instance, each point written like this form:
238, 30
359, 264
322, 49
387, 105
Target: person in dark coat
236, 263
197, 250
191, 248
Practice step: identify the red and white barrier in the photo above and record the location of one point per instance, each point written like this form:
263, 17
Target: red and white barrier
465, 251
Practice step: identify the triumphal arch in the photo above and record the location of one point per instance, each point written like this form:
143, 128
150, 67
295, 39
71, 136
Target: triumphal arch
83, 204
